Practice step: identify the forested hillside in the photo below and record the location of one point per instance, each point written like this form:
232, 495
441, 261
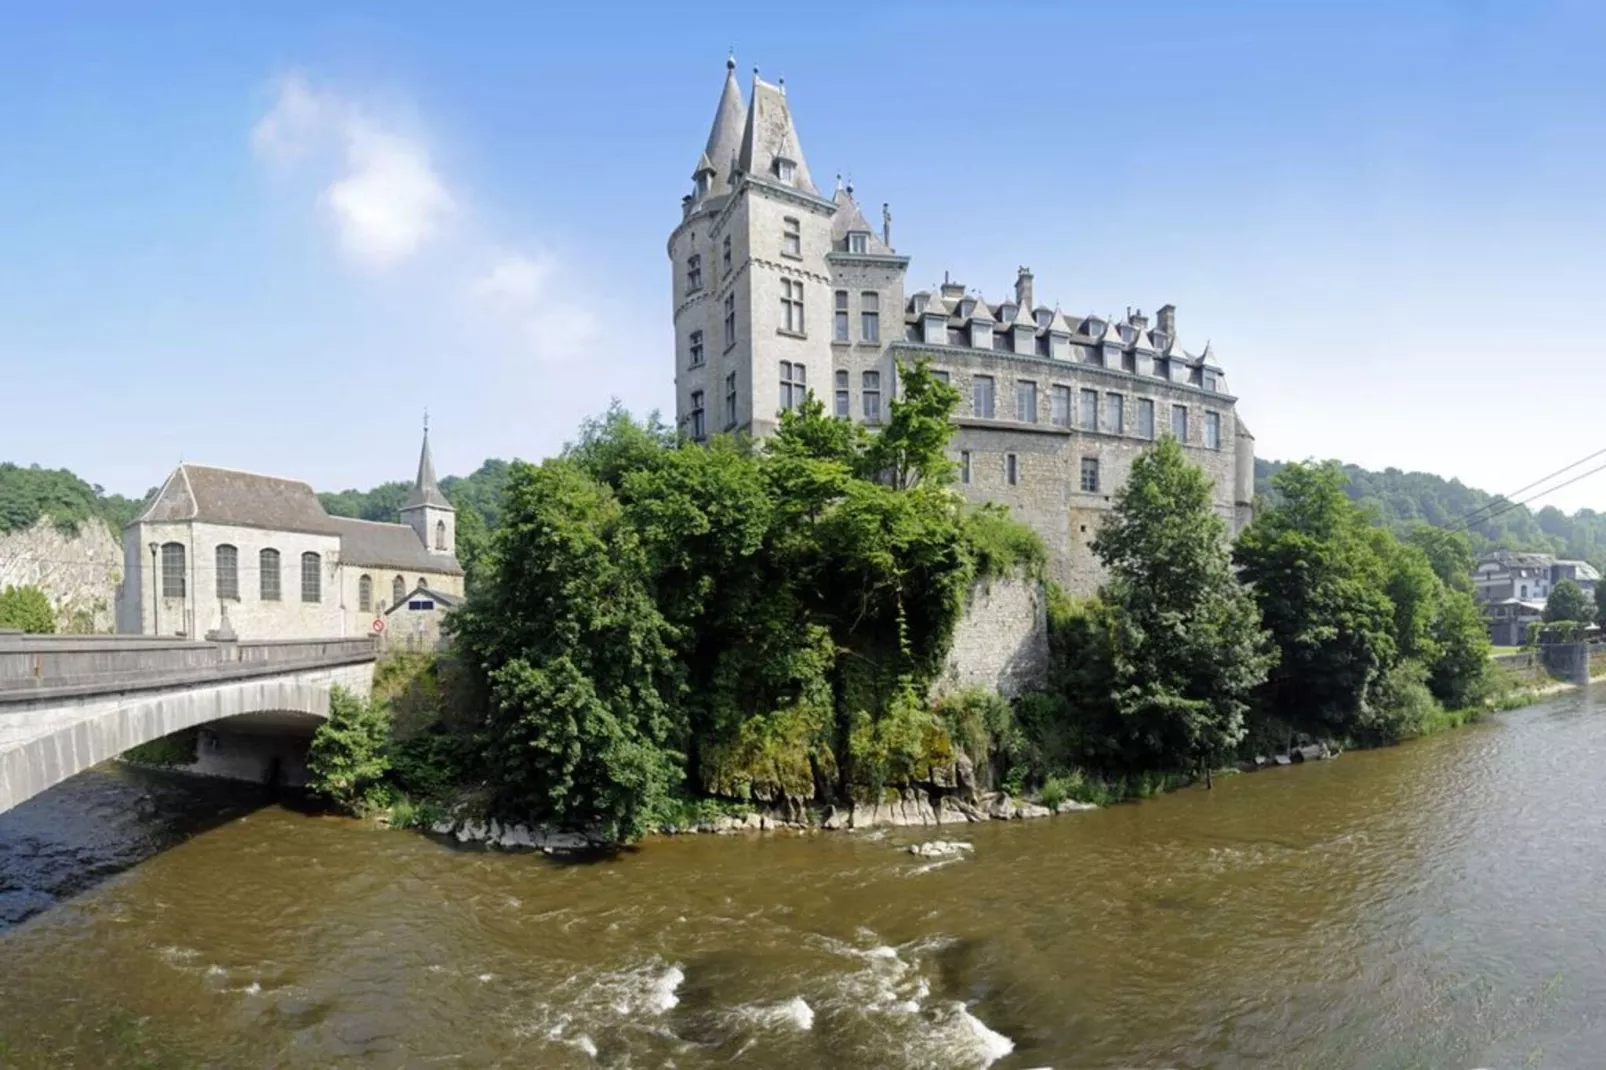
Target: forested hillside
480, 492
26, 494
1400, 499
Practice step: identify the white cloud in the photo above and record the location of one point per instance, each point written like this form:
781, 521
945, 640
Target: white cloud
383, 193
515, 292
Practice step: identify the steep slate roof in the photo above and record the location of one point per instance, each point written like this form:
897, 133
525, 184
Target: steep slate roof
770, 134
425, 490
849, 218
725, 136
376, 544
441, 599
224, 496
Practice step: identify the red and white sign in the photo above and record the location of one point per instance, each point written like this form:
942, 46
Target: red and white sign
378, 626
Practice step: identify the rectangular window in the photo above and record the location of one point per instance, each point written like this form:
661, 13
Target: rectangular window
871, 390
870, 317
981, 397
725, 254
858, 242
1213, 430
843, 407
1211, 383
1129, 362
839, 317
311, 577
1115, 414
794, 386
697, 349
1090, 410
1145, 418
228, 572
964, 466
941, 376
1162, 368
699, 428
1026, 401
730, 401
1090, 475
1179, 422
268, 571
1060, 406
172, 570
791, 306
694, 273
1011, 469
730, 320
792, 238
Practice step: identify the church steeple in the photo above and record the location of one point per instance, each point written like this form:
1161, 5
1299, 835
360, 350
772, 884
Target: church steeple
425, 490
426, 510
724, 137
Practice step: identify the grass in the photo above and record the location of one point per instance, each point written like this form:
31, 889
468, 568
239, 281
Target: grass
1498, 651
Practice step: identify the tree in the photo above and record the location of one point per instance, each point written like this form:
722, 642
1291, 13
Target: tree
27, 609
1448, 552
1600, 603
346, 762
1321, 585
1567, 601
913, 447
1188, 648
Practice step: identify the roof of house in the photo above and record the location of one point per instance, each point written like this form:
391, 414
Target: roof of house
380, 545
440, 598
225, 496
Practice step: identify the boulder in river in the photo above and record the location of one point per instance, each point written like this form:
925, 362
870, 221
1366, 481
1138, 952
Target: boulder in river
939, 848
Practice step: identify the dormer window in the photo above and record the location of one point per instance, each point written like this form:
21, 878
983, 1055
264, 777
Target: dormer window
785, 170
859, 242
1007, 312
705, 180
967, 308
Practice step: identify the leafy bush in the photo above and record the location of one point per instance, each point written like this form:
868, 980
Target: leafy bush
347, 761
27, 609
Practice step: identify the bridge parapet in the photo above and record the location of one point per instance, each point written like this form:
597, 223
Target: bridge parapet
40, 666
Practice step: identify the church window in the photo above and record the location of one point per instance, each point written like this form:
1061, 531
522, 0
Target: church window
1115, 414
839, 323
228, 571
730, 320
725, 255
365, 595
791, 306
871, 391
699, 429
730, 401
964, 466
172, 570
794, 386
1090, 475
311, 577
1059, 409
696, 349
440, 534
981, 397
870, 316
1145, 418
1212, 430
694, 273
268, 575
398, 591
792, 239
843, 406
1026, 401
858, 242
1011, 469
1090, 410
1179, 422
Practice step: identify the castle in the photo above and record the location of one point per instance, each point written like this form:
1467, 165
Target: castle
780, 290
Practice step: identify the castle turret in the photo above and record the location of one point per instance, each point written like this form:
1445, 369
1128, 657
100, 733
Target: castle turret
426, 509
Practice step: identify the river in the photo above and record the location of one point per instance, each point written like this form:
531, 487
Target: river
1438, 904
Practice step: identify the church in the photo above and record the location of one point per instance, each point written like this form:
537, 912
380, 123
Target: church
780, 290
219, 551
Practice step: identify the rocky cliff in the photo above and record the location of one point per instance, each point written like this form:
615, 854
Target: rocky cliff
78, 572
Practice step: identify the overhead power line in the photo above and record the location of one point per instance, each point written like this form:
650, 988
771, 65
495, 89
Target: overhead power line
1533, 497
1506, 499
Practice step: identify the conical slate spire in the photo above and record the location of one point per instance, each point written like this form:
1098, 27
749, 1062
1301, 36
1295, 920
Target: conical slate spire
725, 136
425, 490
769, 136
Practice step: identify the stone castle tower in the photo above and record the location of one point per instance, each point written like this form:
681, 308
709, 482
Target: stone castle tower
780, 290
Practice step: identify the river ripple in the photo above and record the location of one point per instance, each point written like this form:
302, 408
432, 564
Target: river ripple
1433, 905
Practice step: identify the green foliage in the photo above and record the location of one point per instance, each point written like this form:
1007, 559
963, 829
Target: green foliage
1600, 603
28, 494
347, 761
176, 749
382, 503
27, 609
1567, 601
1003, 545
913, 447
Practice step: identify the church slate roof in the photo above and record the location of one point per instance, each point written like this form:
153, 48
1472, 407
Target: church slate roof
425, 490
377, 544
225, 496
441, 599
725, 135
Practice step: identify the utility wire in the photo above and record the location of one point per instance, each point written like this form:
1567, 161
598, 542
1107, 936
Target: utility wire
1533, 497
1506, 499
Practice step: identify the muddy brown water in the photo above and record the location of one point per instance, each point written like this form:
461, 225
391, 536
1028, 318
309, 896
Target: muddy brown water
1439, 904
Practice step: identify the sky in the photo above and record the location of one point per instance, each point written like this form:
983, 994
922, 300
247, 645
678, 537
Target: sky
270, 239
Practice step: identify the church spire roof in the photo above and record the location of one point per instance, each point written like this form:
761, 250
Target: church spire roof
725, 136
425, 490
770, 147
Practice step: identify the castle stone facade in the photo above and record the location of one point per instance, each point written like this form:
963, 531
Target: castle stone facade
780, 290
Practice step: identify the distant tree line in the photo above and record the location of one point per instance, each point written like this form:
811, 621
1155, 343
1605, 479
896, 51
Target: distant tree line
30, 494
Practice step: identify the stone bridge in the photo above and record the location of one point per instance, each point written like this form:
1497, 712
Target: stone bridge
70, 702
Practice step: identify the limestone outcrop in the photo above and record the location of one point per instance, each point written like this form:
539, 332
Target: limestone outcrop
79, 572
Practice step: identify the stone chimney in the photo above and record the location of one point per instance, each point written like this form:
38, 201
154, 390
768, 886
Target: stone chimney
1168, 320
951, 291
1023, 290
1137, 319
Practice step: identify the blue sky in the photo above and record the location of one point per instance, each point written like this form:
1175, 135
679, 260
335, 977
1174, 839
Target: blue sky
270, 241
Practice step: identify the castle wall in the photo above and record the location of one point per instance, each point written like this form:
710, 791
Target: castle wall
1001, 642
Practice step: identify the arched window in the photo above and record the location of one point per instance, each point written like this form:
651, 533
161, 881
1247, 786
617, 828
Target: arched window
311, 577
268, 563
420, 586
398, 591
172, 570
440, 534
365, 594
228, 571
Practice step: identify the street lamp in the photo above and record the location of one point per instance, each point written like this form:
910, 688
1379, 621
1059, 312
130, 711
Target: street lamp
156, 596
